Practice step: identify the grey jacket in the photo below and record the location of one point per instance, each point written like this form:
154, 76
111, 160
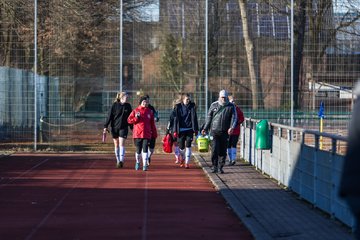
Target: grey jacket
220, 118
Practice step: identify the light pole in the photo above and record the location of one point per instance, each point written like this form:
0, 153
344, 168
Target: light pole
292, 64
121, 46
206, 58
35, 75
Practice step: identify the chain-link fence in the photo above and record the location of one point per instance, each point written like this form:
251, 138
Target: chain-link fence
58, 77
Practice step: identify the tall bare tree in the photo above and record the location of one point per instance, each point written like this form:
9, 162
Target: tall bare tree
253, 63
14, 16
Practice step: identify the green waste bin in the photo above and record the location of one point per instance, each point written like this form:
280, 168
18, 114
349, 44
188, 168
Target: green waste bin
262, 140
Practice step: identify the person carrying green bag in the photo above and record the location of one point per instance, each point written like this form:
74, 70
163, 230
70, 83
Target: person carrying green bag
220, 122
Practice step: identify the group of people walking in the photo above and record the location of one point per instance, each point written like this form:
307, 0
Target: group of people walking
222, 124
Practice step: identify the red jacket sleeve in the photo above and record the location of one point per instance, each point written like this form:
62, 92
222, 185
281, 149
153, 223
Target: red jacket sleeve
132, 119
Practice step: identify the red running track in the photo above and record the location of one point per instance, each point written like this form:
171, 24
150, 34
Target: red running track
83, 196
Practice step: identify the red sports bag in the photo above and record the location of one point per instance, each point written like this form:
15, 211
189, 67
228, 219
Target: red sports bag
167, 143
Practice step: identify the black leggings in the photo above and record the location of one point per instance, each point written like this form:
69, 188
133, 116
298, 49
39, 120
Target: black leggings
141, 144
185, 138
233, 140
152, 143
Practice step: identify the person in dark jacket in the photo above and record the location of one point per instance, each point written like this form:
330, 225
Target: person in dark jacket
221, 122
169, 129
144, 129
117, 118
152, 141
350, 179
234, 137
185, 126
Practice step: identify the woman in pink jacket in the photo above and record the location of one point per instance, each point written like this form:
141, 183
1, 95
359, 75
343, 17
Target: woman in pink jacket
144, 129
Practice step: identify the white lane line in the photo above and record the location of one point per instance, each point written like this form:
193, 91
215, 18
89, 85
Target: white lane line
43, 221
24, 173
146, 201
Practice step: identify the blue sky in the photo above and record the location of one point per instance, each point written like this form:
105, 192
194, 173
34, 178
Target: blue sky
151, 12
343, 6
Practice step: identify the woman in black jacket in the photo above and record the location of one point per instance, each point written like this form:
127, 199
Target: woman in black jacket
117, 118
185, 125
170, 128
